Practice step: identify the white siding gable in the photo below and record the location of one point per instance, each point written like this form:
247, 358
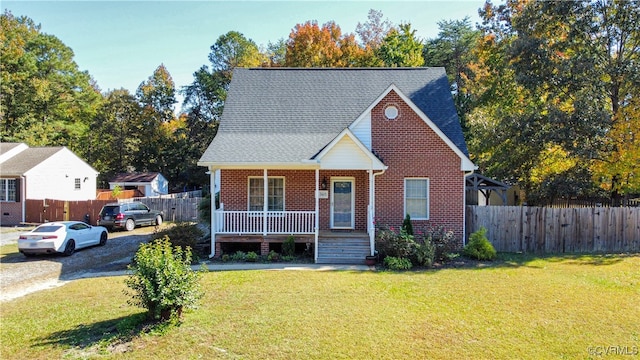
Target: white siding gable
346, 155
55, 178
361, 128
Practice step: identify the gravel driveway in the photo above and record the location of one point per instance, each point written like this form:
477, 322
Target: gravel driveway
20, 275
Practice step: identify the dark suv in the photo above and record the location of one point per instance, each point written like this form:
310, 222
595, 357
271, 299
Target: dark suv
128, 216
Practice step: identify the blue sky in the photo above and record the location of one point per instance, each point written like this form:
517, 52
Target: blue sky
121, 43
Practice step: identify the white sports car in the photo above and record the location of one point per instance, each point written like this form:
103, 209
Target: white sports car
61, 237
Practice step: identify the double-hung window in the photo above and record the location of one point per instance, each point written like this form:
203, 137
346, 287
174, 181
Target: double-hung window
8, 190
275, 194
77, 184
416, 198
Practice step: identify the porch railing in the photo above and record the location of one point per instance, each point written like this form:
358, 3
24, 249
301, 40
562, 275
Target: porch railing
253, 222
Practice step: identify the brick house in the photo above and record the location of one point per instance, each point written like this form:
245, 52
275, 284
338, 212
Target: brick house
326, 154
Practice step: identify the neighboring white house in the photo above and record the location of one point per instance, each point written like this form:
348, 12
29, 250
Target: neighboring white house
149, 184
41, 173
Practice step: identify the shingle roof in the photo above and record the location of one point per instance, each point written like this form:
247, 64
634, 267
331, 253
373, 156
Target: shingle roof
27, 160
289, 114
134, 177
5, 147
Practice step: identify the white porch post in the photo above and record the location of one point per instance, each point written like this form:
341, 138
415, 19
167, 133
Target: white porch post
214, 215
371, 213
317, 218
265, 205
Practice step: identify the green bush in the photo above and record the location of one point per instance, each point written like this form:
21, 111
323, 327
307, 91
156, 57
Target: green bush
407, 226
182, 234
226, 257
394, 263
391, 243
239, 256
289, 246
273, 256
251, 257
425, 253
444, 242
479, 246
162, 280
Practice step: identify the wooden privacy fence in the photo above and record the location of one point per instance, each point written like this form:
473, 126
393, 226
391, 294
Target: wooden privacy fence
40, 211
174, 209
557, 230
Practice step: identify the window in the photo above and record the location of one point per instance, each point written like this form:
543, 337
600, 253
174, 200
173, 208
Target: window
77, 184
275, 195
416, 198
391, 112
8, 189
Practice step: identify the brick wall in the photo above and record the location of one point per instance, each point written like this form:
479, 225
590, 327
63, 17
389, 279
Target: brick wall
11, 213
411, 149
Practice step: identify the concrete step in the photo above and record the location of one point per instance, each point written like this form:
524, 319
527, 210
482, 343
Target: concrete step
340, 260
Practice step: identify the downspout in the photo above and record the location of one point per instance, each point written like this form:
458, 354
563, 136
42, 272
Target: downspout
464, 207
317, 218
372, 210
265, 200
23, 199
212, 181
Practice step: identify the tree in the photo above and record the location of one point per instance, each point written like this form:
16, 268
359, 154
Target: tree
113, 136
158, 93
233, 50
371, 34
571, 69
401, 48
276, 53
311, 45
453, 49
156, 96
203, 103
374, 30
44, 98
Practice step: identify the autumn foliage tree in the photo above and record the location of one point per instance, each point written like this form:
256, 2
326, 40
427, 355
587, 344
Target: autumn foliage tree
555, 83
312, 45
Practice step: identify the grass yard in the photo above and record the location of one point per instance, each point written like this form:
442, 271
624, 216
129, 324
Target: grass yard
516, 308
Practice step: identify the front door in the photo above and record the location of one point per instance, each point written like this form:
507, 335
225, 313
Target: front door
342, 203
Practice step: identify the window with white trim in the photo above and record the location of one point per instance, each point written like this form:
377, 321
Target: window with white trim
416, 198
275, 195
77, 184
8, 190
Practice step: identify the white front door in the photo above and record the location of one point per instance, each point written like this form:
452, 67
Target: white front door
342, 203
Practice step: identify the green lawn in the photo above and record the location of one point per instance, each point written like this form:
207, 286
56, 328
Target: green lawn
516, 308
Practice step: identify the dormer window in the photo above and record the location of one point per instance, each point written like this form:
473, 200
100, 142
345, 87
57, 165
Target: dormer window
391, 112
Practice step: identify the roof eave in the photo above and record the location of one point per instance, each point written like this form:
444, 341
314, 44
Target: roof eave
302, 165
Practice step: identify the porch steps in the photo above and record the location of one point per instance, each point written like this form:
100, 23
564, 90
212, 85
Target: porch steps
343, 250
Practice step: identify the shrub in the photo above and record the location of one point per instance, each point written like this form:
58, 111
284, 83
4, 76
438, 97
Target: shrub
162, 280
479, 246
289, 246
251, 257
424, 253
226, 257
444, 242
182, 234
391, 243
239, 256
273, 256
288, 258
394, 263
406, 225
